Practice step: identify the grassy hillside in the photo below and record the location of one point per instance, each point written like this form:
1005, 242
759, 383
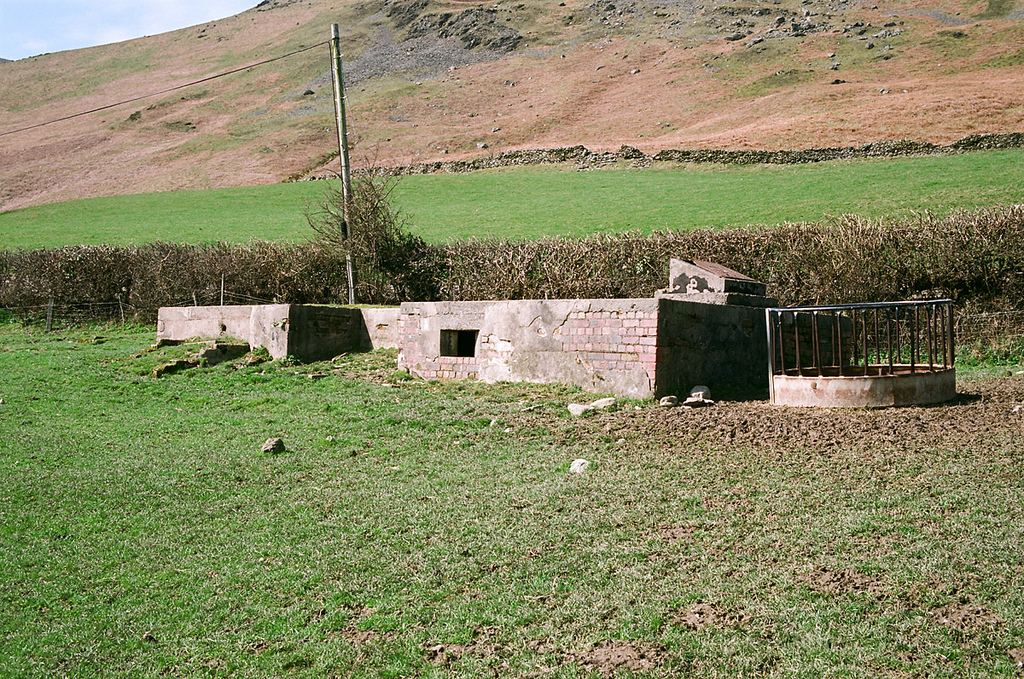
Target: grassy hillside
534, 202
431, 79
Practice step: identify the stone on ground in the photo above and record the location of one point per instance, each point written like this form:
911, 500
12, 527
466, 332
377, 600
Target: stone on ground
579, 466
273, 445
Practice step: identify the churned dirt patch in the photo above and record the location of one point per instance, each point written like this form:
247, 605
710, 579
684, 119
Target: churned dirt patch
672, 534
442, 654
703, 615
981, 415
966, 617
845, 581
610, 655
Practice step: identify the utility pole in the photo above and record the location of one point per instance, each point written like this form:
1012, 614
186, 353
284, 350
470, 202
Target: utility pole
346, 175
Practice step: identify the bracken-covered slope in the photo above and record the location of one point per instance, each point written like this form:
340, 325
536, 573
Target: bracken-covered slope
431, 80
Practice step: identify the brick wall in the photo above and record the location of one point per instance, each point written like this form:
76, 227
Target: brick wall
614, 340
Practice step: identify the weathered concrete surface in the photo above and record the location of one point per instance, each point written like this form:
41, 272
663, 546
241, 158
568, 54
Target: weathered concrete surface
606, 345
878, 391
269, 326
181, 323
628, 347
381, 326
724, 347
694, 276
307, 332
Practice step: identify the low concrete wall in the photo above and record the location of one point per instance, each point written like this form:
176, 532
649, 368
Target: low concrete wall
381, 326
307, 332
181, 323
628, 347
605, 345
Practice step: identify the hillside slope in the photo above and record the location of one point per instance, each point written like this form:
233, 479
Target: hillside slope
430, 79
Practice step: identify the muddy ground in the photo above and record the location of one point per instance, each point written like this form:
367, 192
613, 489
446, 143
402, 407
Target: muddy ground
982, 416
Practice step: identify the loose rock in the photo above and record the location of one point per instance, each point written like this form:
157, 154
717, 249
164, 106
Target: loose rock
579, 409
273, 446
702, 391
669, 401
579, 466
604, 403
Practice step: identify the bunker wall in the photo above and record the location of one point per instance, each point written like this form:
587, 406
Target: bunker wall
603, 345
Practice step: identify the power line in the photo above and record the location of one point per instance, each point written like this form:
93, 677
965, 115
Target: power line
170, 89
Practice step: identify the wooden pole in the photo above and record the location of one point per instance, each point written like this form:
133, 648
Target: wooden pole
346, 175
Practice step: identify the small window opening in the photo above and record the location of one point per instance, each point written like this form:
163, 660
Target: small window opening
460, 343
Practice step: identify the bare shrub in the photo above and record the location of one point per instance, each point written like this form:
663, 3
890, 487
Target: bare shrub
391, 264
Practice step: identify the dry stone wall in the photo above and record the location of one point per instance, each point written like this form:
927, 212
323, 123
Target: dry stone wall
586, 159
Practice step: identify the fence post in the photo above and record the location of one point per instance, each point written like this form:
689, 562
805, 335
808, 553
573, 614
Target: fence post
49, 316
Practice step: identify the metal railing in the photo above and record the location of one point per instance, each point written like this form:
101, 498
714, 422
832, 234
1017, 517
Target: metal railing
886, 338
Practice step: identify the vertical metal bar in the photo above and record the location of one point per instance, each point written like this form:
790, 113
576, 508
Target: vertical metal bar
888, 334
878, 346
940, 321
898, 335
854, 344
836, 337
913, 339
796, 337
931, 337
782, 342
817, 342
952, 336
839, 344
769, 322
864, 337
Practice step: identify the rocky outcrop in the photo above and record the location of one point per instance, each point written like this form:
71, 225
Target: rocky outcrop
472, 28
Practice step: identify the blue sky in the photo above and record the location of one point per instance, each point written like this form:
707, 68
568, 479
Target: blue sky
30, 27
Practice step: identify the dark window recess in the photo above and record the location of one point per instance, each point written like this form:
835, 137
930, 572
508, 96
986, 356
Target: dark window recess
459, 342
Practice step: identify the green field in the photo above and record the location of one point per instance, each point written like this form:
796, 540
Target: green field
543, 201
422, 529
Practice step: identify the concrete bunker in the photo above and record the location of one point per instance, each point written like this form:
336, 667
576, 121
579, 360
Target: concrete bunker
711, 326
710, 332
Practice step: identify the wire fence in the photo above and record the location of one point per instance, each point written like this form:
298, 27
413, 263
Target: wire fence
56, 316
989, 328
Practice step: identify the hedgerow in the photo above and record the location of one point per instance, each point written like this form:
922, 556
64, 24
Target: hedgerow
974, 257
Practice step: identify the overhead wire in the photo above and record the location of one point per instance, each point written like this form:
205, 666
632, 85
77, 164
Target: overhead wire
166, 91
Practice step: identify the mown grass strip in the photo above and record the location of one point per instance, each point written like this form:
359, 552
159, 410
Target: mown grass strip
545, 201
